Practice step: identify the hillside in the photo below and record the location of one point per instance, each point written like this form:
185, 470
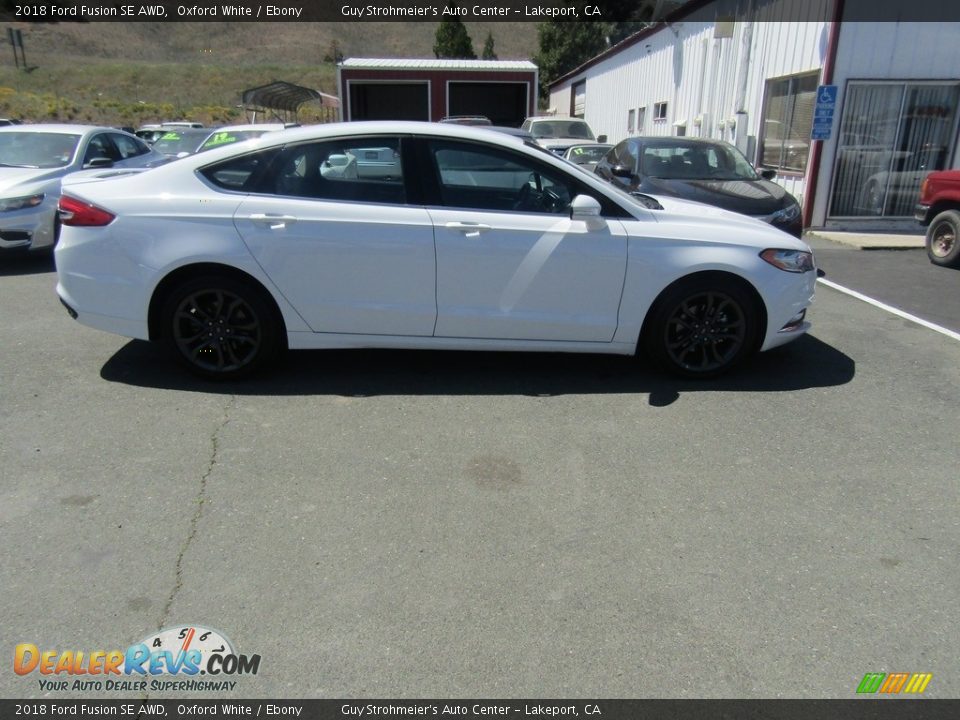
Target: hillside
129, 73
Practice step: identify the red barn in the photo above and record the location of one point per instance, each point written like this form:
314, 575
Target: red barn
403, 89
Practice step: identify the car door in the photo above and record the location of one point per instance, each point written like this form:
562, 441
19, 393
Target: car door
511, 263
335, 234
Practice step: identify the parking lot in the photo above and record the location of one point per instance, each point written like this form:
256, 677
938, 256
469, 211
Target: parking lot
416, 524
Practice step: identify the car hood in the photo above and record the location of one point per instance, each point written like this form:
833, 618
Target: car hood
688, 220
15, 178
747, 197
561, 141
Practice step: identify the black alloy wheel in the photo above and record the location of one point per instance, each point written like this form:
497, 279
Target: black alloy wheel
221, 328
702, 328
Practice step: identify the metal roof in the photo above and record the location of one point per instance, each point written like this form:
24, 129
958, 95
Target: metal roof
285, 96
434, 64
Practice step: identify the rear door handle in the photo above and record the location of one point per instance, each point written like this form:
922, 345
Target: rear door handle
274, 220
468, 229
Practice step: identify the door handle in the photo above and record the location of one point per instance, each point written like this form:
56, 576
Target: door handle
274, 220
468, 229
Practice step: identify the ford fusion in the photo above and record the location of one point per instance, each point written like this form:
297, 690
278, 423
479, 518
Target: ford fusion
417, 235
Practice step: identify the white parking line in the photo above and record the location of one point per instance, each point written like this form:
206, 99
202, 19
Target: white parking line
890, 309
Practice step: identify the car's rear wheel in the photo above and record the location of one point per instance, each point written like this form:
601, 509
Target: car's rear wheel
943, 247
702, 327
221, 327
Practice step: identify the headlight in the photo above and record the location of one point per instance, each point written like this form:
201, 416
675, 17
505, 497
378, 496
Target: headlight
788, 214
19, 203
795, 261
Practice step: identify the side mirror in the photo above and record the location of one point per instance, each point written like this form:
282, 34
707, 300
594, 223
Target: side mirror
601, 138
622, 171
99, 162
584, 207
768, 174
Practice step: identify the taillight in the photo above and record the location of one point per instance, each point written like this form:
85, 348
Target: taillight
79, 213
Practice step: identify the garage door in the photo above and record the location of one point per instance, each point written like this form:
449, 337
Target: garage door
505, 103
393, 101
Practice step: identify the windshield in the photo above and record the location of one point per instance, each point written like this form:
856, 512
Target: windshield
228, 137
585, 154
37, 149
176, 142
561, 129
695, 161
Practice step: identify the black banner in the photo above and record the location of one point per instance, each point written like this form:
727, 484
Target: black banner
479, 10
853, 709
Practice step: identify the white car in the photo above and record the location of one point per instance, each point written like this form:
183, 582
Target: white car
559, 134
476, 242
33, 161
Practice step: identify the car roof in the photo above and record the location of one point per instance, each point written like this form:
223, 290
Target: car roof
382, 127
60, 128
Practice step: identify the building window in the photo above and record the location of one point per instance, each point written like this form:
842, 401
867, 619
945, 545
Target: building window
578, 99
659, 111
641, 120
891, 135
787, 120
631, 115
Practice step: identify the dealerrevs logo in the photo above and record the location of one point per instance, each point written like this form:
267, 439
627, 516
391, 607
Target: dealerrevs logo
185, 652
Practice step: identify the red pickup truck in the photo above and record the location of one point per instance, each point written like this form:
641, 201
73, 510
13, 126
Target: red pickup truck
939, 209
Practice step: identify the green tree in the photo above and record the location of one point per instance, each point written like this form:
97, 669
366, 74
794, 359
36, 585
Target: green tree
566, 45
488, 51
452, 40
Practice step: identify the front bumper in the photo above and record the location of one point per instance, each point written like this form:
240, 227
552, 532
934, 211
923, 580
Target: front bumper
920, 213
33, 228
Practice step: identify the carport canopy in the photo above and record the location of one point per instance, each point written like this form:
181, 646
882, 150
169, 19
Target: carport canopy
283, 100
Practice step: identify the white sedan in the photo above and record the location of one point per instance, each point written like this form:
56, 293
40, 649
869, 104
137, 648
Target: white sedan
474, 241
33, 161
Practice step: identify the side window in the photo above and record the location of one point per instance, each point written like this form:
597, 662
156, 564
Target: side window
100, 147
483, 178
240, 173
625, 154
128, 146
354, 170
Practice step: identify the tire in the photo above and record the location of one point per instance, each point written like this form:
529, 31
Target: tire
220, 327
702, 327
943, 239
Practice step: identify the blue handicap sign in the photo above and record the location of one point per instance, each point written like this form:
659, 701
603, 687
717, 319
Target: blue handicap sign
826, 96
823, 112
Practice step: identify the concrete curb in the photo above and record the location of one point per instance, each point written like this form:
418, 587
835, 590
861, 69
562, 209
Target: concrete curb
870, 241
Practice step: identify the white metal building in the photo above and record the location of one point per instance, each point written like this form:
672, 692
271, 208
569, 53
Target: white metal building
750, 78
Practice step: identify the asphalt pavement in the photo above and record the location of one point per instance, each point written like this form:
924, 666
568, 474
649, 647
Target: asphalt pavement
412, 524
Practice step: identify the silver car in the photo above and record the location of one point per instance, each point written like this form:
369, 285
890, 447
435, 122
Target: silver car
34, 159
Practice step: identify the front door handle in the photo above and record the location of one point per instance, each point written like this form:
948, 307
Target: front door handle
274, 220
468, 229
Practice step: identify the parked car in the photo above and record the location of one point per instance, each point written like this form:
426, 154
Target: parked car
259, 250
467, 120
153, 132
180, 142
230, 134
706, 171
33, 161
516, 132
587, 155
939, 210
557, 134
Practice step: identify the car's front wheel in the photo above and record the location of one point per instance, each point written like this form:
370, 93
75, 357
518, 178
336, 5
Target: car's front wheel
943, 247
702, 327
221, 327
